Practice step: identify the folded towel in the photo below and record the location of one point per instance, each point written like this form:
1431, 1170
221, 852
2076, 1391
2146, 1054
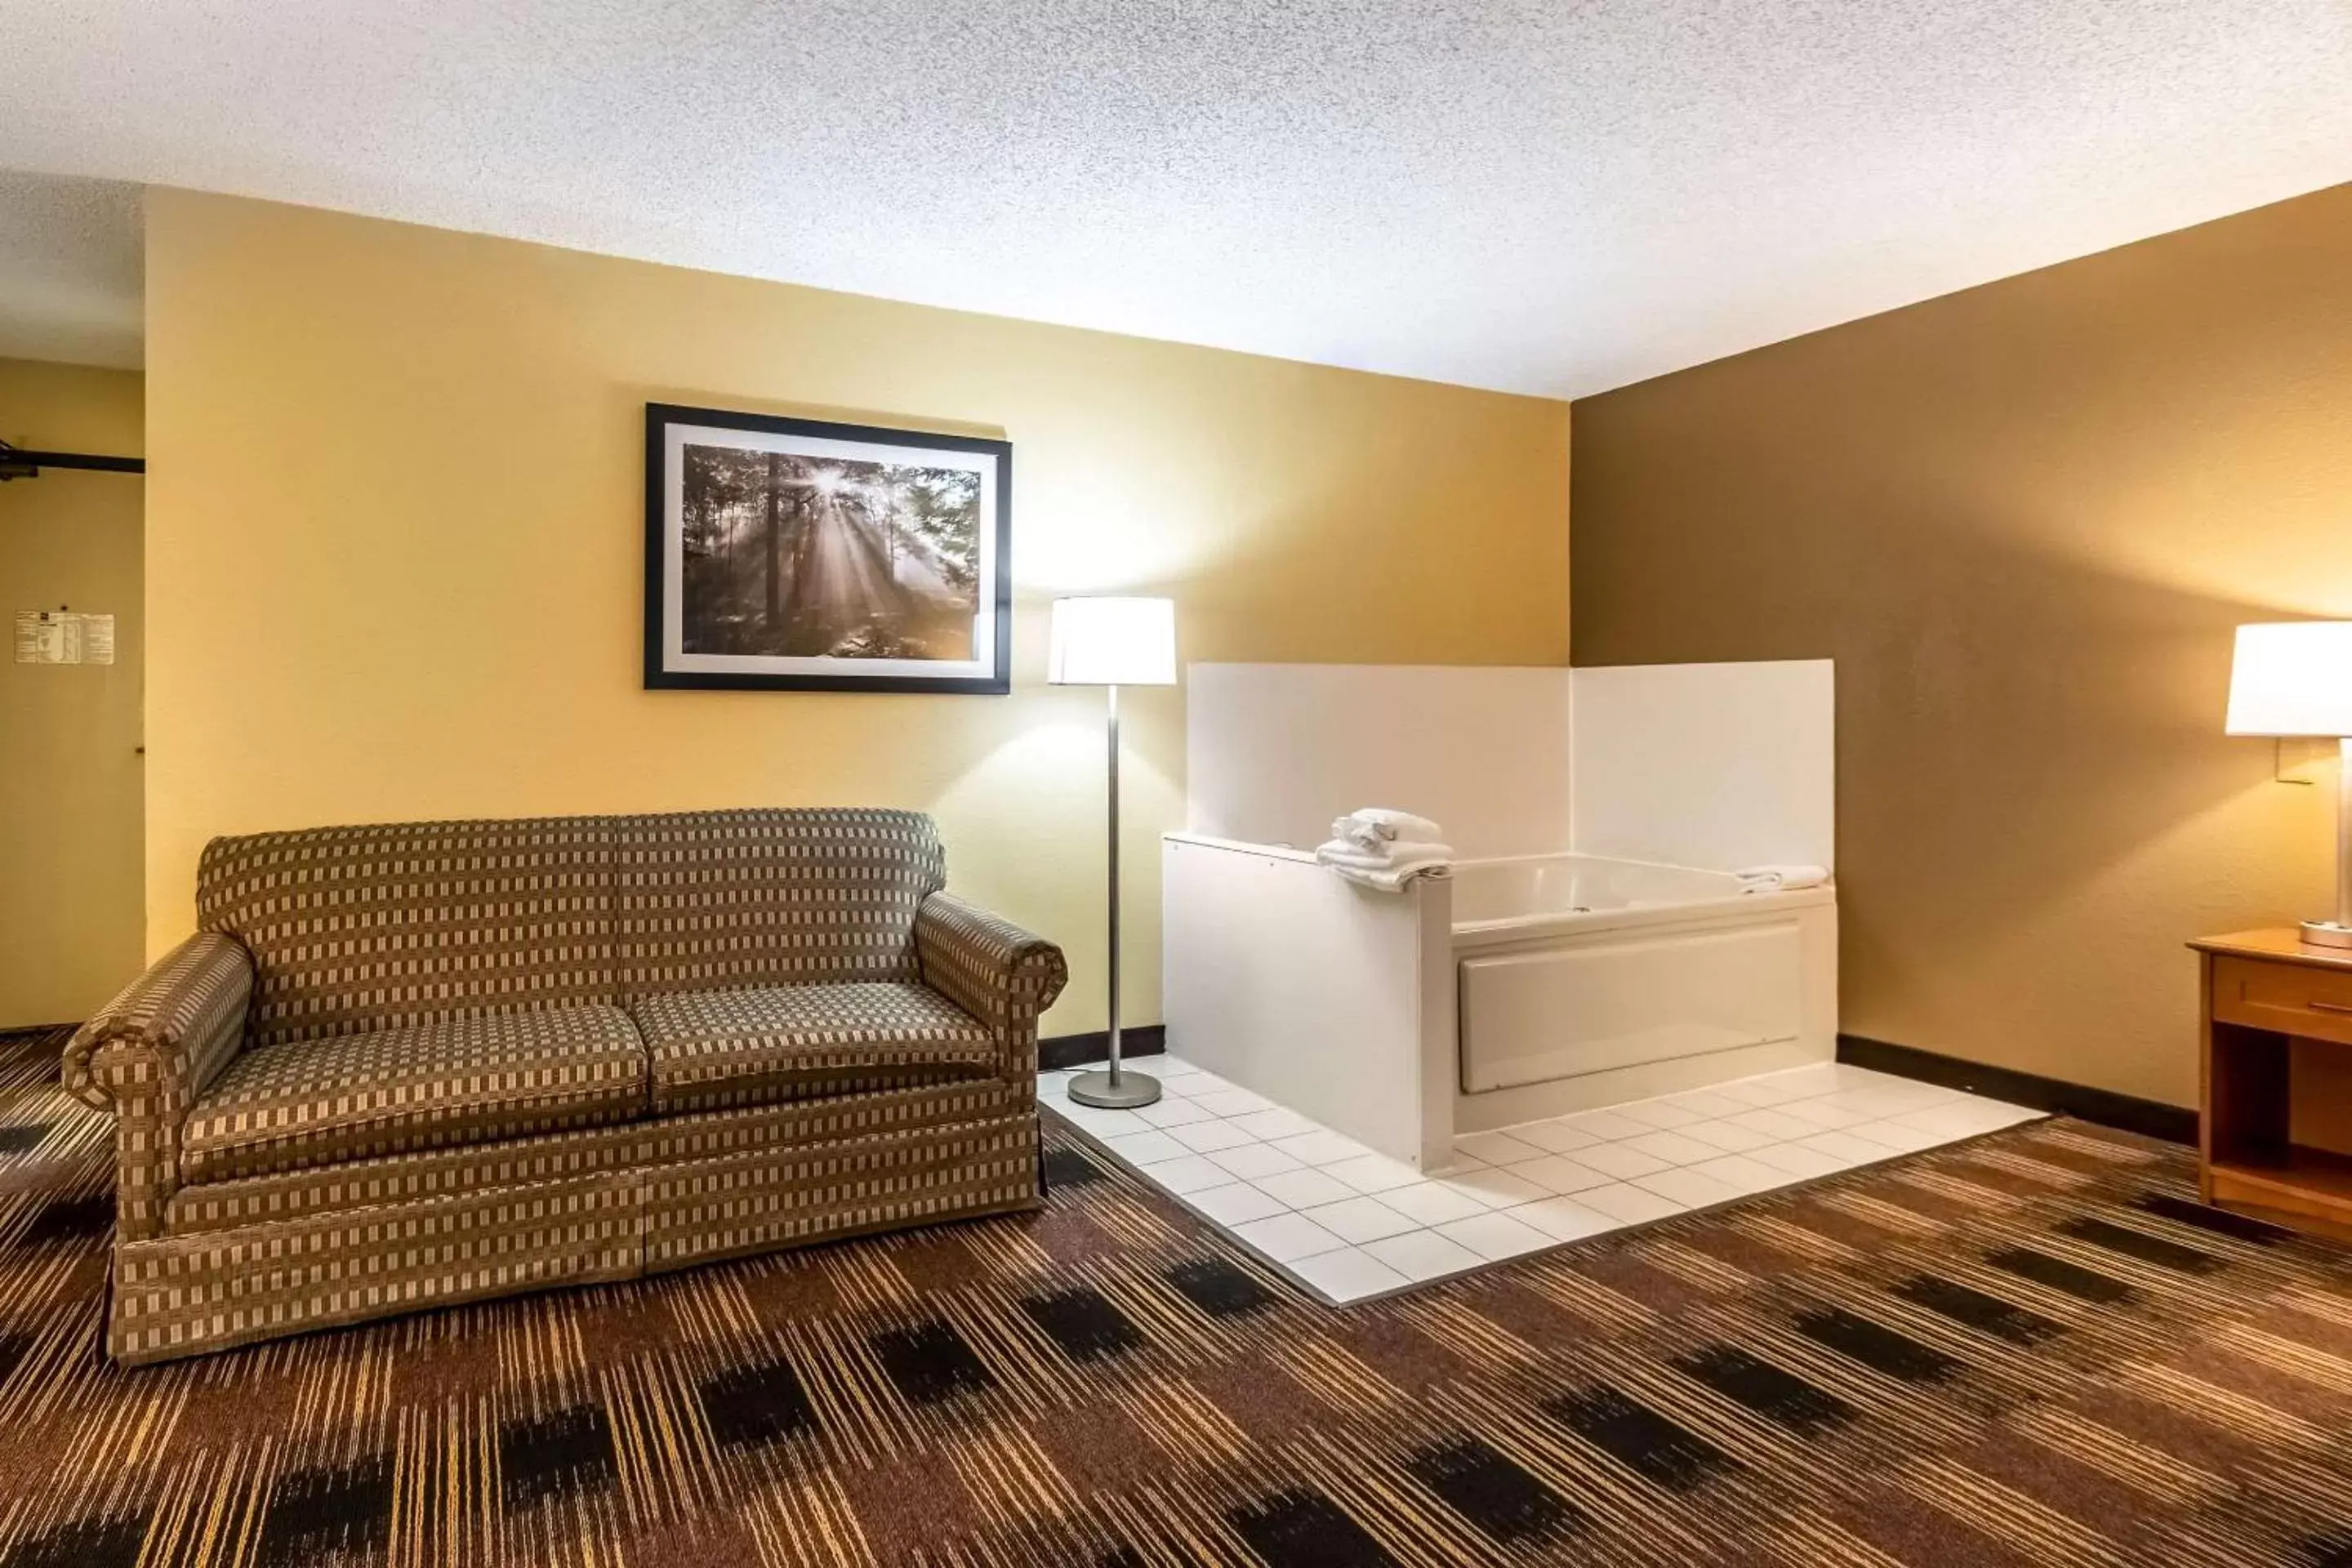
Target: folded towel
1391, 881
1381, 873
1340, 852
1387, 872
1375, 826
1782, 878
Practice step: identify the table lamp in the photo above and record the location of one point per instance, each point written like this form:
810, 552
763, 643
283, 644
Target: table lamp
2295, 679
1111, 643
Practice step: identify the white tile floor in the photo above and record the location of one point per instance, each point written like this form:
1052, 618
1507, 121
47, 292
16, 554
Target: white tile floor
1348, 1223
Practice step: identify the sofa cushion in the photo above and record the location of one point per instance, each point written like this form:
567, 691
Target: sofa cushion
394, 924
733, 899
776, 1043
428, 1086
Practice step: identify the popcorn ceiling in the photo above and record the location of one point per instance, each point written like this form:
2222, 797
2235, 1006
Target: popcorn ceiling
70, 268
1548, 195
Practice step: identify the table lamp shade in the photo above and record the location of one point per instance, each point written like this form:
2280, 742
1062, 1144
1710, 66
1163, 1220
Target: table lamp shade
2293, 678
1112, 642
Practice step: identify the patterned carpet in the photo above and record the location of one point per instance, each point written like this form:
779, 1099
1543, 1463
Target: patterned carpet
2029, 1350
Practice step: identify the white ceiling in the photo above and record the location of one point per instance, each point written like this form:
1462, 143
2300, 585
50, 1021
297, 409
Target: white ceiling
1547, 195
70, 265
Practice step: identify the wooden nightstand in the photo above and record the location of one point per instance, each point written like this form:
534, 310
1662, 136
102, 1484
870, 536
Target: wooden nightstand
2275, 1139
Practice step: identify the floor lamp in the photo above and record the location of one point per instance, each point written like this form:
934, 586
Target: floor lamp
1111, 643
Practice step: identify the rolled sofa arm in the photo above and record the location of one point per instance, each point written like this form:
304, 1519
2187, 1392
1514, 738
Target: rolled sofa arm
1000, 974
149, 1053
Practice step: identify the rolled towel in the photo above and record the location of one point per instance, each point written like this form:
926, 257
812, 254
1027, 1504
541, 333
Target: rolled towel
1780, 878
1375, 826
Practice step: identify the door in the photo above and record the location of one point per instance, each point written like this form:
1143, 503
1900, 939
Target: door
72, 911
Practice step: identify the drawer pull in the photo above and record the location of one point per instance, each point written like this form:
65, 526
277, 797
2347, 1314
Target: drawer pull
2316, 1005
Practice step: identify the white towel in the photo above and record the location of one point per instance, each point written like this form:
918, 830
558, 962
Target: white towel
1780, 878
1340, 852
1388, 872
1374, 827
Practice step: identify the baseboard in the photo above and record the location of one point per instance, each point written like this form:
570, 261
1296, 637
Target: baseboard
2150, 1118
1076, 1051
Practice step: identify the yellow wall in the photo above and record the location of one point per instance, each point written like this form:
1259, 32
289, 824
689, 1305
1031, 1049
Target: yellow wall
69, 769
395, 539
2023, 520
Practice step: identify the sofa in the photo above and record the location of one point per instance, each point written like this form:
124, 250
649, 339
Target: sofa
402, 1066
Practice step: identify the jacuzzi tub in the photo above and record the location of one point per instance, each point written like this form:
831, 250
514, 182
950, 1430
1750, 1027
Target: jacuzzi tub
1615, 979
1516, 990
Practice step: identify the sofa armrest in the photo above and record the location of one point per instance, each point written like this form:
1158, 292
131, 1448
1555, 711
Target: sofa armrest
149, 1053
1000, 974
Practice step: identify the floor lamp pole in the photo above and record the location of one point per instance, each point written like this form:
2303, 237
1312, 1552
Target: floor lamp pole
1112, 860
1116, 1090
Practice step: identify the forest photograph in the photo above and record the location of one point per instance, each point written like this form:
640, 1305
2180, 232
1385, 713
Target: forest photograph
788, 555
785, 555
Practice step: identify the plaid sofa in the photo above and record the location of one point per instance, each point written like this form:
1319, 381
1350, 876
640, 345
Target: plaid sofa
404, 1066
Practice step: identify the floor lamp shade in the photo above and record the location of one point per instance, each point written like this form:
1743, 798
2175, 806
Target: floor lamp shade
1113, 642
2295, 679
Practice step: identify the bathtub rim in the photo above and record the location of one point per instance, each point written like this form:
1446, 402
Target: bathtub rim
1728, 909
1481, 934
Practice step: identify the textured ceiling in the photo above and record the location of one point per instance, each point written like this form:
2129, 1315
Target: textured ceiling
1547, 195
69, 270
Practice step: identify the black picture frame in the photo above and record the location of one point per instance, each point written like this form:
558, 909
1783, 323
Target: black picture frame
671, 665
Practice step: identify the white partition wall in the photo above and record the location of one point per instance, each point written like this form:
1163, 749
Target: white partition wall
1718, 766
1275, 751
1329, 999
1713, 765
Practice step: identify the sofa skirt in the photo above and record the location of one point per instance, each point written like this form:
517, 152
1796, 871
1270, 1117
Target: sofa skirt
255, 1261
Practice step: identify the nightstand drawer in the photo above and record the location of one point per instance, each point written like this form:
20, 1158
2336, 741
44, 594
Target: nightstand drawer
2292, 998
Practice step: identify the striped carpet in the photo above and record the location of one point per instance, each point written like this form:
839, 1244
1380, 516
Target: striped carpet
2029, 1350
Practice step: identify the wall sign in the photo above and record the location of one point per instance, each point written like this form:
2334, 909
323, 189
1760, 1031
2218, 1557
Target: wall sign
64, 636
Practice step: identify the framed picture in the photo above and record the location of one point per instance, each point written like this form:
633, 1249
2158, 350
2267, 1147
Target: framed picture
800, 555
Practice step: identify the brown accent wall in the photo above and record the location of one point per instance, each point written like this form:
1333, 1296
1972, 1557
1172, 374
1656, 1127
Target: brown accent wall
2023, 521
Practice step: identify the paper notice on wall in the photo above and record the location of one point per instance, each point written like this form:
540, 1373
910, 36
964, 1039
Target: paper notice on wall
64, 636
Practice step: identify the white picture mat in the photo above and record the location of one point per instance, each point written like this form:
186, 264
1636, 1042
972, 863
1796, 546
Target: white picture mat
676, 438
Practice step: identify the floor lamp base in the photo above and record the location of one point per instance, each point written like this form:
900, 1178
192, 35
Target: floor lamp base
1126, 1091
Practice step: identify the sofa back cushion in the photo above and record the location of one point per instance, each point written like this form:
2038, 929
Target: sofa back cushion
354, 929
718, 900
